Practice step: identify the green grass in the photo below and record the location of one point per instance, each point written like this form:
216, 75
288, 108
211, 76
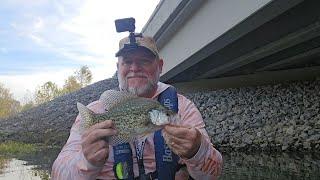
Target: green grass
17, 148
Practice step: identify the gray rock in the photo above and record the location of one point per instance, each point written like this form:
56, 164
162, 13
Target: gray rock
315, 137
290, 130
283, 116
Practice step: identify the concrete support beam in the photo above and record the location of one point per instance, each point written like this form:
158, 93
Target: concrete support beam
288, 41
261, 78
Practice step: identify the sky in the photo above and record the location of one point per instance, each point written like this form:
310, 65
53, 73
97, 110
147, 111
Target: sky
48, 40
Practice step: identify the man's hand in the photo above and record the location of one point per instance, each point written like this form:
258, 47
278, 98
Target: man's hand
94, 145
183, 141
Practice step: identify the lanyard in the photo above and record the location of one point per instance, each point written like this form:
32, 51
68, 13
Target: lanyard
139, 145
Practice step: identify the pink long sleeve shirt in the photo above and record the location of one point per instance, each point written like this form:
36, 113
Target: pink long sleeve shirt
71, 163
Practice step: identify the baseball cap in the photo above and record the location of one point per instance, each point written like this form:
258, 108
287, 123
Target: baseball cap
144, 42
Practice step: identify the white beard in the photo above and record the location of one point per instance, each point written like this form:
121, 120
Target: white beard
139, 91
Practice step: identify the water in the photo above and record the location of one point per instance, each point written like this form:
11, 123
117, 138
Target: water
35, 166
237, 166
241, 166
15, 169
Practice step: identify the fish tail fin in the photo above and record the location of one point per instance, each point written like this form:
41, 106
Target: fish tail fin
86, 115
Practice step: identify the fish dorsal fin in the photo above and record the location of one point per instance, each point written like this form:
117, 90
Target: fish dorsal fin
110, 98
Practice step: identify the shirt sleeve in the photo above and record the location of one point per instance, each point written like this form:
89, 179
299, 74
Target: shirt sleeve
71, 163
207, 162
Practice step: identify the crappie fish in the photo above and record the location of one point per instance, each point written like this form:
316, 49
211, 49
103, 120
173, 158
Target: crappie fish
132, 115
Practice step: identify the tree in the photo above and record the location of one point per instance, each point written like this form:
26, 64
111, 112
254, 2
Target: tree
27, 106
27, 101
71, 84
47, 92
8, 105
84, 76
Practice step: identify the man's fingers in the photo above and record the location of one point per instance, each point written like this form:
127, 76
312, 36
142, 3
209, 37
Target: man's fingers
102, 153
99, 157
102, 125
177, 145
92, 148
179, 135
100, 133
187, 145
177, 131
94, 145
97, 152
177, 140
97, 134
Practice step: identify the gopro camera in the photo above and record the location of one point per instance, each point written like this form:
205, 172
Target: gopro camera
126, 24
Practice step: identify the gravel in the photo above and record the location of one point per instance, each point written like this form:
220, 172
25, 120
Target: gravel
281, 117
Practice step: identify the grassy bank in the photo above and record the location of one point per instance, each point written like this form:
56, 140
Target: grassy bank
17, 148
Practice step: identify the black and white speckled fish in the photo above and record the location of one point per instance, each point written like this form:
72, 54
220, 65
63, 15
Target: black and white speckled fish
132, 115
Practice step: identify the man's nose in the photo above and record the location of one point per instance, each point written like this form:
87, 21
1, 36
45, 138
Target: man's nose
135, 66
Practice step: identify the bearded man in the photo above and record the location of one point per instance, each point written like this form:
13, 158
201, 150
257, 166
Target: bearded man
186, 145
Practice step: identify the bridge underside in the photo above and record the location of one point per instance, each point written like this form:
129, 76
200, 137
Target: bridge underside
290, 41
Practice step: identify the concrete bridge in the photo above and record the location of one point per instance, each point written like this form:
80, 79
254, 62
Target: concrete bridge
209, 44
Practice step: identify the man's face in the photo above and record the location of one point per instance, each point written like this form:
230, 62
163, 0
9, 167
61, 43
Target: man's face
138, 72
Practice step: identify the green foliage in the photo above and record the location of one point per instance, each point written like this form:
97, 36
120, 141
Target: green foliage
47, 92
16, 148
8, 105
50, 90
70, 85
43, 174
27, 106
84, 76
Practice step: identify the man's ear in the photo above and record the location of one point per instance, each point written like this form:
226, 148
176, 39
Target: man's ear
119, 59
160, 65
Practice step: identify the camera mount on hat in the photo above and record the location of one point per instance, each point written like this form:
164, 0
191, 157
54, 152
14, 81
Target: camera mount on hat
128, 24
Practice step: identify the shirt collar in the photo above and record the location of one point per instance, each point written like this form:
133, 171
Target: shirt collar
161, 87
